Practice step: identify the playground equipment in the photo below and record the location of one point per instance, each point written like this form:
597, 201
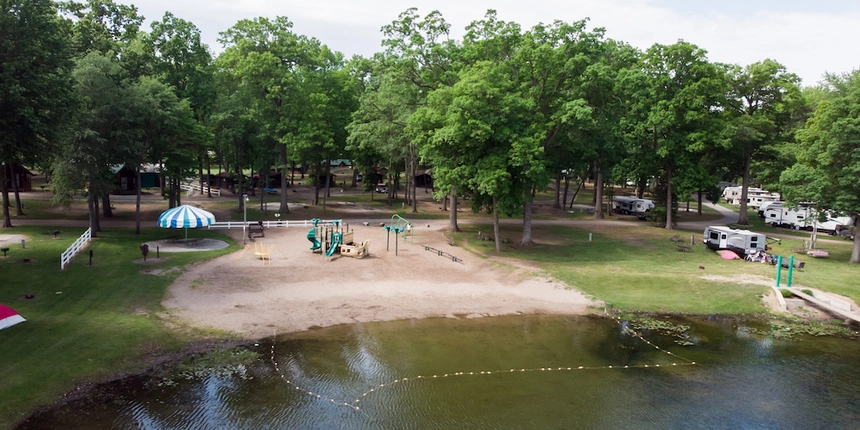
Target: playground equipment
334, 237
261, 251
403, 226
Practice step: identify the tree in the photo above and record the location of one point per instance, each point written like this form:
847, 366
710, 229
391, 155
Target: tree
828, 163
760, 106
681, 109
35, 84
267, 60
103, 135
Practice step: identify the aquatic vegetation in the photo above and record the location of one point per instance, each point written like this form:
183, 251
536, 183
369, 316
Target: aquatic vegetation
221, 363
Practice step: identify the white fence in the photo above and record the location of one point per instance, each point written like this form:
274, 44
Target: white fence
191, 188
273, 224
76, 247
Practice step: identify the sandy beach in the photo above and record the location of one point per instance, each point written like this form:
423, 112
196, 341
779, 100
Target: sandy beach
300, 289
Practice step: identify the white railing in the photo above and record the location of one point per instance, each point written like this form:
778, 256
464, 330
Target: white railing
273, 224
76, 247
191, 188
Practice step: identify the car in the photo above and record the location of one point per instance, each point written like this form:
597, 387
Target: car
381, 188
358, 177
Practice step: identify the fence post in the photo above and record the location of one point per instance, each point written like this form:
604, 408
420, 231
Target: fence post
778, 270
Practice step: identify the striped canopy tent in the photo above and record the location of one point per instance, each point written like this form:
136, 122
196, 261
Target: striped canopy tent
186, 217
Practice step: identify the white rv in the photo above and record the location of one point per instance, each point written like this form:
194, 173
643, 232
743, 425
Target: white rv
642, 207
623, 204
731, 195
785, 217
741, 242
768, 205
632, 206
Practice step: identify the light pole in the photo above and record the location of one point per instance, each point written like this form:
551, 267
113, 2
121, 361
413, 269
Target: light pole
244, 216
278, 218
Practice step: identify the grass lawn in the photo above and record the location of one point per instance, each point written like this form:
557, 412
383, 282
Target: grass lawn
639, 269
86, 323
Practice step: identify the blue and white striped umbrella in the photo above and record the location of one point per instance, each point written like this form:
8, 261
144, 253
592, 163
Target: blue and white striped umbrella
185, 217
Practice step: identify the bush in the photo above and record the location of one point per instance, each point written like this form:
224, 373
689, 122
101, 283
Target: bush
807, 292
785, 293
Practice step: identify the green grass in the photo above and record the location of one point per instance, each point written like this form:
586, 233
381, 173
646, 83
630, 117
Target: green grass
87, 323
638, 269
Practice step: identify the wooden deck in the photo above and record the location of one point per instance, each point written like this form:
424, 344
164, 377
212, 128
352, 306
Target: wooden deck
830, 304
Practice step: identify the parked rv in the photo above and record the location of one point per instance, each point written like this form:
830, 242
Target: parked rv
741, 242
768, 205
785, 217
632, 206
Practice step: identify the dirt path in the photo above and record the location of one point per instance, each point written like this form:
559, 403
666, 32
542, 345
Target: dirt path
300, 290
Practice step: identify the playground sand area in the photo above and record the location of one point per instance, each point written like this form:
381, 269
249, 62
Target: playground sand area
299, 290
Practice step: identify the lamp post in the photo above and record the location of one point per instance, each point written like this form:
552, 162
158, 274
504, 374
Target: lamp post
244, 217
278, 218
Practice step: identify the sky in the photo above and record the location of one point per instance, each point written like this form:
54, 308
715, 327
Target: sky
809, 38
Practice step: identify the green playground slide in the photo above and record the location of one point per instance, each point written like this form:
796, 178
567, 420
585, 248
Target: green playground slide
335, 243
313, 238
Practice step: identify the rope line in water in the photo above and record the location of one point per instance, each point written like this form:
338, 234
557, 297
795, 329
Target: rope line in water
354, 404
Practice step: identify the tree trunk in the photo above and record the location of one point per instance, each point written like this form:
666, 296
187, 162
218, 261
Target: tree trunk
598, 194
107, 212
566, 189
93, 214
208, 177
558, 191
137, 204
669, 225
855, 251
576, 193
527, 223
200, 169
19, 208
496, 234
742, 217
699, 199
414, 185
452, 218
284, 208
7, 217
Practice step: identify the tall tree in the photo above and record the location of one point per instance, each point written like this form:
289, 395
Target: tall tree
682, 109
267, 59
760, 105
828, 164
36, 96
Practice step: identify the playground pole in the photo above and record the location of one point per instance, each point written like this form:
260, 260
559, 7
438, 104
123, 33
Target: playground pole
778, 270
790, 271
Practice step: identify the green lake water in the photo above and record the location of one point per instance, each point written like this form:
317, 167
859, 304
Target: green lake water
502, 373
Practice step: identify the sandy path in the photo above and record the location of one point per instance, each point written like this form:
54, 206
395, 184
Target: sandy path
302, 290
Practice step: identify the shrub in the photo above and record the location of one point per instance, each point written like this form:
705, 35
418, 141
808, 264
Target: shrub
807, 292
785, 292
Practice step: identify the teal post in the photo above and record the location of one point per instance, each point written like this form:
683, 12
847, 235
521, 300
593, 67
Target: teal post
790, 271
778, 270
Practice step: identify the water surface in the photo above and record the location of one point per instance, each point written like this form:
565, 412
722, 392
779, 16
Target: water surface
503, 373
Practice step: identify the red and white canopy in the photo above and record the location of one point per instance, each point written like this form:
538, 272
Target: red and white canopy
9, 317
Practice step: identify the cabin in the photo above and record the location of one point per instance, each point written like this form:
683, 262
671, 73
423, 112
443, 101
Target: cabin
741, 242
22, 177
424, 179
125, 178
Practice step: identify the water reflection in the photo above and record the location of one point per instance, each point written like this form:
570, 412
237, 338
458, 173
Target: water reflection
387, 370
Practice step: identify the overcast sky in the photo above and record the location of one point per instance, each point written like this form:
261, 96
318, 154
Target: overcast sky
808, 37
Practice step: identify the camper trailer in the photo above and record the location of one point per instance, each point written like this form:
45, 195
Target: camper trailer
632, 206
741, 242
623, 204
642, 207
781, 216
768, 205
